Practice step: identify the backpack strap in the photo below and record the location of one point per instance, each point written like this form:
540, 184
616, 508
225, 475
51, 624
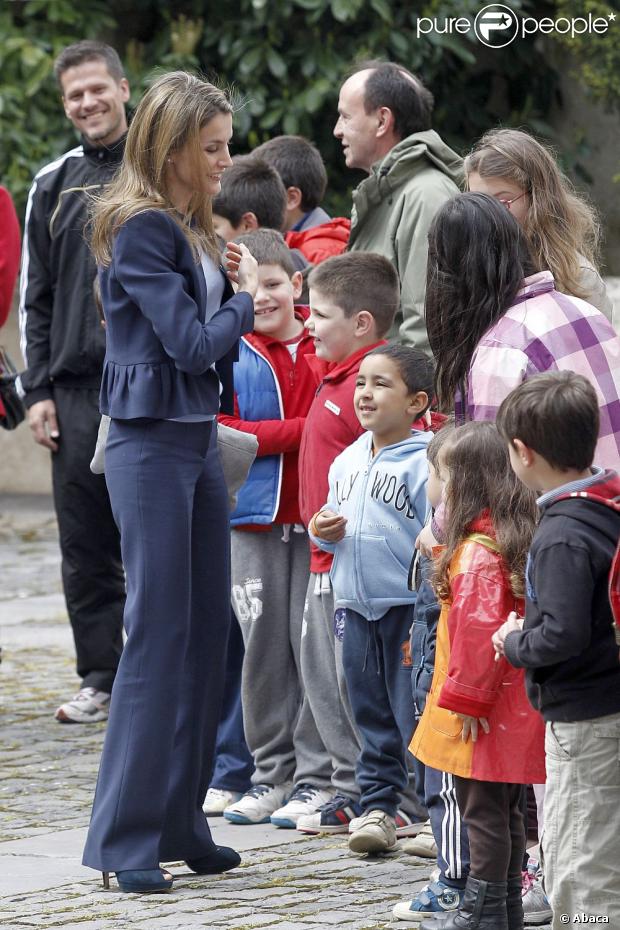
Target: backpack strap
487, 541
614, 588
492, 544
612, 502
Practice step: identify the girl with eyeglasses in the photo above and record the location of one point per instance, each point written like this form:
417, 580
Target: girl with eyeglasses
561, 227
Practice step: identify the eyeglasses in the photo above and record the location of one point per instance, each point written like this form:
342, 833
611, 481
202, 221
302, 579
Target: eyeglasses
509, 203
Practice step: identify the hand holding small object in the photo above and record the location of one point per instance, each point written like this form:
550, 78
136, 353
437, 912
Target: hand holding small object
328, 525
43, 422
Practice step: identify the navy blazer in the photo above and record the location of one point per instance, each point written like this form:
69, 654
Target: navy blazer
159, 350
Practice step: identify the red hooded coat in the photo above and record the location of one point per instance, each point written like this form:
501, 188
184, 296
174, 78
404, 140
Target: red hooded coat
468, 680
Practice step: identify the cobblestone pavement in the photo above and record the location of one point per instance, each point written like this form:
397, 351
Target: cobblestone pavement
47, 777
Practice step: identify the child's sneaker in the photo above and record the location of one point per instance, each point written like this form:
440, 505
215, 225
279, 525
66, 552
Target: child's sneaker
375, 832
405, 826
258, 804
536, 907
434, 900
305, 800
423, 844
218, 799
333, 817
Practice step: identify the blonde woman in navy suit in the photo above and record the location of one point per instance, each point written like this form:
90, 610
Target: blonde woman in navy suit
173, 325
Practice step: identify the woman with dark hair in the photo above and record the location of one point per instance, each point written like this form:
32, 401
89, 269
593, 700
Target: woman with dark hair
492, 323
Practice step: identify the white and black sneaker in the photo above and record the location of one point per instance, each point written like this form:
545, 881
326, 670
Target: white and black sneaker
305, 800
88, 706
333, 817
258, 804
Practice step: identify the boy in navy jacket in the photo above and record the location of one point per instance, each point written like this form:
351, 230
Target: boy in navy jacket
270, 559
566, 641
375, 510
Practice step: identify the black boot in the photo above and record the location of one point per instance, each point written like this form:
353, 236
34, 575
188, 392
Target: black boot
483, 908
514, 904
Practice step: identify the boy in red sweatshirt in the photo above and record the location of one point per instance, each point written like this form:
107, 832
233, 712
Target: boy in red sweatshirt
270, 565
308, 227
353, 299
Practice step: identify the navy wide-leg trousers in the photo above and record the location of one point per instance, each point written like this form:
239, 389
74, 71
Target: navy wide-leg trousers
170, 503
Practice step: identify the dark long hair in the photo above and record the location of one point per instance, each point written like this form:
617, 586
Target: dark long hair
481, 479
477, 260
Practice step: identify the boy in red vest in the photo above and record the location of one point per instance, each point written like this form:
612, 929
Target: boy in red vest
270, 566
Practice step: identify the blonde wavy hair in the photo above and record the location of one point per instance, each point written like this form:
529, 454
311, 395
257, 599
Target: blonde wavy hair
169, 117
560, 225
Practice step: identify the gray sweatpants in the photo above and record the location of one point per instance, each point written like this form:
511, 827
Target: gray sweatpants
325, 685
581, 840
269, 579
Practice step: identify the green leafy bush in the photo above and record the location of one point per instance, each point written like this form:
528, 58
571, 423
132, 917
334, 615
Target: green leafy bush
285, 60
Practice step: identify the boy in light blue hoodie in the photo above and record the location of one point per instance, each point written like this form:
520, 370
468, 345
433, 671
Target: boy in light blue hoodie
376, 508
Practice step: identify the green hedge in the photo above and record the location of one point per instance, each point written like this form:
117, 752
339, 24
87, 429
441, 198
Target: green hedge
285, 60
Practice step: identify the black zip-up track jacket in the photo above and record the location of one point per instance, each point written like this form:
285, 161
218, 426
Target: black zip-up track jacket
62, 339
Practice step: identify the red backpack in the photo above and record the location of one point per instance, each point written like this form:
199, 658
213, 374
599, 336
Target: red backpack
612, 484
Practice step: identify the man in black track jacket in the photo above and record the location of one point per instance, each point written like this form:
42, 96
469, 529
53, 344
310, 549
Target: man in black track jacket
63, 344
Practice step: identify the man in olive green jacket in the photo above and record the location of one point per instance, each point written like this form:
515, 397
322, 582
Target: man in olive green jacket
384, 126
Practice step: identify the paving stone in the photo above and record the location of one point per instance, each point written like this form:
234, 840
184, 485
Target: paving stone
47, 780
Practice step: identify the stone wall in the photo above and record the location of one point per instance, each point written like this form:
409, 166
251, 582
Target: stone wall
590, 133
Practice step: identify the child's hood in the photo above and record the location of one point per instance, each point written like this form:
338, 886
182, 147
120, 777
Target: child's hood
601, 518
399, 452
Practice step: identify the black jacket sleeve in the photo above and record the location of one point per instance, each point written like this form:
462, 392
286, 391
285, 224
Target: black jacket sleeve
563, 582
36, 300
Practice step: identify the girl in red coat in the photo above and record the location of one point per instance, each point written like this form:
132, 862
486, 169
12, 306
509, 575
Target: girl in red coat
478, 723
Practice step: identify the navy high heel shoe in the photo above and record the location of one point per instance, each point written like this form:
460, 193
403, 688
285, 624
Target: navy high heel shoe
141, 881
220, 859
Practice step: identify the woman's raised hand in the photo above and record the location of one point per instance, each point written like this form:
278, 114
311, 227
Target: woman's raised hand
241, 267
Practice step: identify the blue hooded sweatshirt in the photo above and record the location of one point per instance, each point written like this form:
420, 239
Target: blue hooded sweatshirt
384, 501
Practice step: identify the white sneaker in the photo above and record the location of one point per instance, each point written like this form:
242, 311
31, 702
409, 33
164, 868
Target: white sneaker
421, 845
305, 800
88, 706
375, 832
258, 804
536, 907
405, 826
217, 799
